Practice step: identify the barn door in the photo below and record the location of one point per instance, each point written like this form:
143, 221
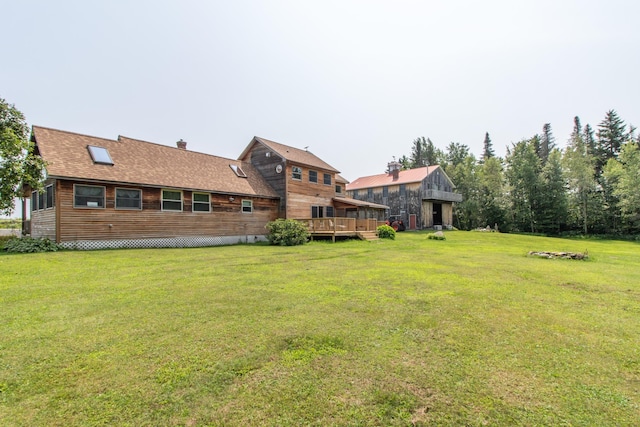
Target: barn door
437, 214
412, 222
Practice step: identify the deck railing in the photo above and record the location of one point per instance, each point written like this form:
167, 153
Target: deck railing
337, 225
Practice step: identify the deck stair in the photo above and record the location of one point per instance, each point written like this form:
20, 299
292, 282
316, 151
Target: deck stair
368, 235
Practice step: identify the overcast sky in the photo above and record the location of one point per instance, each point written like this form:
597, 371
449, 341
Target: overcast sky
355, 81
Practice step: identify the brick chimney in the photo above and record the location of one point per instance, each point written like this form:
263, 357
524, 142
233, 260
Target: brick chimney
182, 144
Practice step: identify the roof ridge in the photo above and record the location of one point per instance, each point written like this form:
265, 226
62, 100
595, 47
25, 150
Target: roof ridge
179, 149
72, 133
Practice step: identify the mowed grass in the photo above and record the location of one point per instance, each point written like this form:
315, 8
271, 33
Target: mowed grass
467, 331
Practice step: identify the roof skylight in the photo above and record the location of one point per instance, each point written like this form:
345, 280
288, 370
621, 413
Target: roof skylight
100, 155
238, 170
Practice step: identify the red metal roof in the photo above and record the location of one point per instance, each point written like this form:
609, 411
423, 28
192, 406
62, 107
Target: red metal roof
404, 177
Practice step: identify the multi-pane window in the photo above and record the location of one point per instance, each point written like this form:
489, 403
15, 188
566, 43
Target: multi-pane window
355, 194
49, 196
321, 211
171, 200
34, 201
88, 196
338, 189
369, 193
313, 176
41, 201
296, 173
327, 179
247, 206
317, 212
201, 202
127, 198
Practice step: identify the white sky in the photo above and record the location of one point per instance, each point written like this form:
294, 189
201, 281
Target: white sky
355, 81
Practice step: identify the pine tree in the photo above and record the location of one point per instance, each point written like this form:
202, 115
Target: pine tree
589, 139
433, 155
552, 213
623, 174
579, 166
523, 177
547, 143
418, 153
491, 194
611, 135
487, 151
577, 127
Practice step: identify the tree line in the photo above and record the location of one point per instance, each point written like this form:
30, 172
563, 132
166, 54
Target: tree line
592, 186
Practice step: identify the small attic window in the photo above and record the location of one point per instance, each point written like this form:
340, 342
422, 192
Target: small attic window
238, 170
100, 155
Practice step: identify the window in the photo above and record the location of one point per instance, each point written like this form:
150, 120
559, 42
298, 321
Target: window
403, 190
247, 206
238, 170
171, 200
100, 155
127, 198
329, 211
41, 201
34, 201
313, 176
369, 193
355, 194
327, 179
296, 173
200, 202
338, 189
49, 196
88, 196
317, 212
385, 191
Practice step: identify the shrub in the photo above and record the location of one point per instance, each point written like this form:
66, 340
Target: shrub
30, 245
438, 235
386, 232
287, 232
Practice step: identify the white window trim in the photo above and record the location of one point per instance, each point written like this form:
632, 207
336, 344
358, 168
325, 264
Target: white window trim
330, 179
115, 199
162, 200
250, 206
193, 202
316, 181
104, 197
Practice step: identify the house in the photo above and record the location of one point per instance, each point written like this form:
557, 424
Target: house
308, 186
131, 193
421, 197
102, 193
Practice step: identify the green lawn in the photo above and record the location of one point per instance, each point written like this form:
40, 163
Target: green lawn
467, 331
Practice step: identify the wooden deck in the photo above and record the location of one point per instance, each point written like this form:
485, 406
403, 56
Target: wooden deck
365, 229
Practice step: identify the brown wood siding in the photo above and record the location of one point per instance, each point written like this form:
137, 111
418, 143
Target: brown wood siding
43, 223
225, 218
302, 194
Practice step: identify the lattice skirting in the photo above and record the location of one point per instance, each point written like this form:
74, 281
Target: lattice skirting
168, 242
